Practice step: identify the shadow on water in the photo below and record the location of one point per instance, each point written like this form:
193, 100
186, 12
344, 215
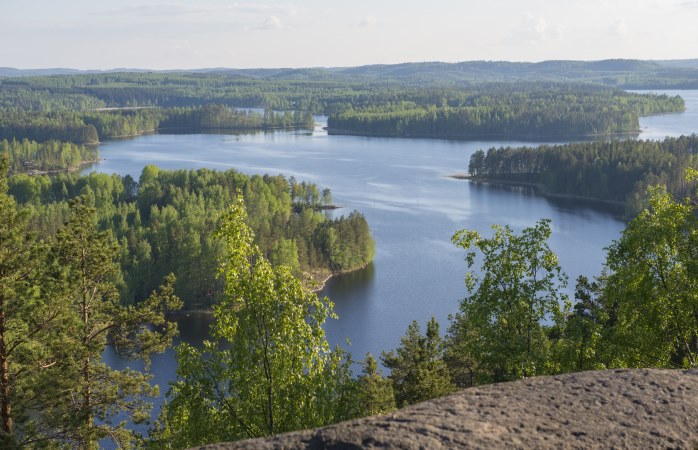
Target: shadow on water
194, 327
353, 284
568, 205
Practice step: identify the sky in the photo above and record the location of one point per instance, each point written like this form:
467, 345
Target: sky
161, 34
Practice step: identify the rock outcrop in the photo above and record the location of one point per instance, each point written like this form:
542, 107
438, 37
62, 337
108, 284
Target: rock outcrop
645, 408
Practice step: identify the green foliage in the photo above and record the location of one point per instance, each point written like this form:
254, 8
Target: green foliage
346, 243
92, 126
217, 117
270, 369
500, 324
44, 108
525, 110
26, 318
615, 170
641, 311
375, 393
581, 344
417, 369
86, 394
65, 126
165, 223
651, 291
52, 156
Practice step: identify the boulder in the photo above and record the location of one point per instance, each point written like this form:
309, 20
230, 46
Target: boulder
640, 408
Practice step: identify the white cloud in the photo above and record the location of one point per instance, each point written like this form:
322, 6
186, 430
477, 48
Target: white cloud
270, 23
534, 29
189, 10
368, 21
619, 28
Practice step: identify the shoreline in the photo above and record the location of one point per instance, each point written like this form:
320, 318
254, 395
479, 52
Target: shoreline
323, 284
35, 172
488, 137
209, 311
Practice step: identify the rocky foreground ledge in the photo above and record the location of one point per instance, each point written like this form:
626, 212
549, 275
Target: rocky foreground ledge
644, 408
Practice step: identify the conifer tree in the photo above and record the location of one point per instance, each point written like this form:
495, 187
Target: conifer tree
376, 394
87, 394
25, 319
418, 371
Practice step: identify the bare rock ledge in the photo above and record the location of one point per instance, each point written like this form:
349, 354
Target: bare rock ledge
643, 408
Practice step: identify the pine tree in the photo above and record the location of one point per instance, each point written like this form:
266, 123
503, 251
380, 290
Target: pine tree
88, 393
25, 318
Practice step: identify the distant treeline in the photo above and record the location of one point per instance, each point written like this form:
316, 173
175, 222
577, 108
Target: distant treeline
617, 170
213, 117
89, 127
164, 224
406, 106
521, 110
50, 156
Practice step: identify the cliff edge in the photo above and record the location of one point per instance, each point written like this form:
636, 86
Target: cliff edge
641, 408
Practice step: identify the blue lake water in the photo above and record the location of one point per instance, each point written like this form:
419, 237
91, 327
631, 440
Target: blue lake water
413, 207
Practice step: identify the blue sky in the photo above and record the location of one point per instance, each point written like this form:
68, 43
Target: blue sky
163, 34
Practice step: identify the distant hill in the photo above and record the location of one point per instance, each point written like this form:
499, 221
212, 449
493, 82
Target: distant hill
625, 73
12, 72
685, 63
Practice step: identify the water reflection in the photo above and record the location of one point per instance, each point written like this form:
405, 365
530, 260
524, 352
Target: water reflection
356, 283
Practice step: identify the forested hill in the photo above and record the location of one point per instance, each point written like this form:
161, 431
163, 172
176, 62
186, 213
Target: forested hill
626, 73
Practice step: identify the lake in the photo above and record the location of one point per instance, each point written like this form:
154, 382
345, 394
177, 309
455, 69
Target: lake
413, 207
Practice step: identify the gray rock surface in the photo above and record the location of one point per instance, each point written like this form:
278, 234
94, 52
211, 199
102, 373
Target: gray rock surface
638, 409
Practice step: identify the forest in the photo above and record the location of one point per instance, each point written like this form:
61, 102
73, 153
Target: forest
90, 127
518, 110
50, 156
615, 170
164, 222
268, 367
69, 108
90, 263
624, 73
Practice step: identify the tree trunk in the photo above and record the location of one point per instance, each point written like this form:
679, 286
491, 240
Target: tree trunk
87, 392
5, 400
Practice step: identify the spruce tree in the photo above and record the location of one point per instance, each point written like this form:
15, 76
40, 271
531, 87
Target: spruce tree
418, 371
